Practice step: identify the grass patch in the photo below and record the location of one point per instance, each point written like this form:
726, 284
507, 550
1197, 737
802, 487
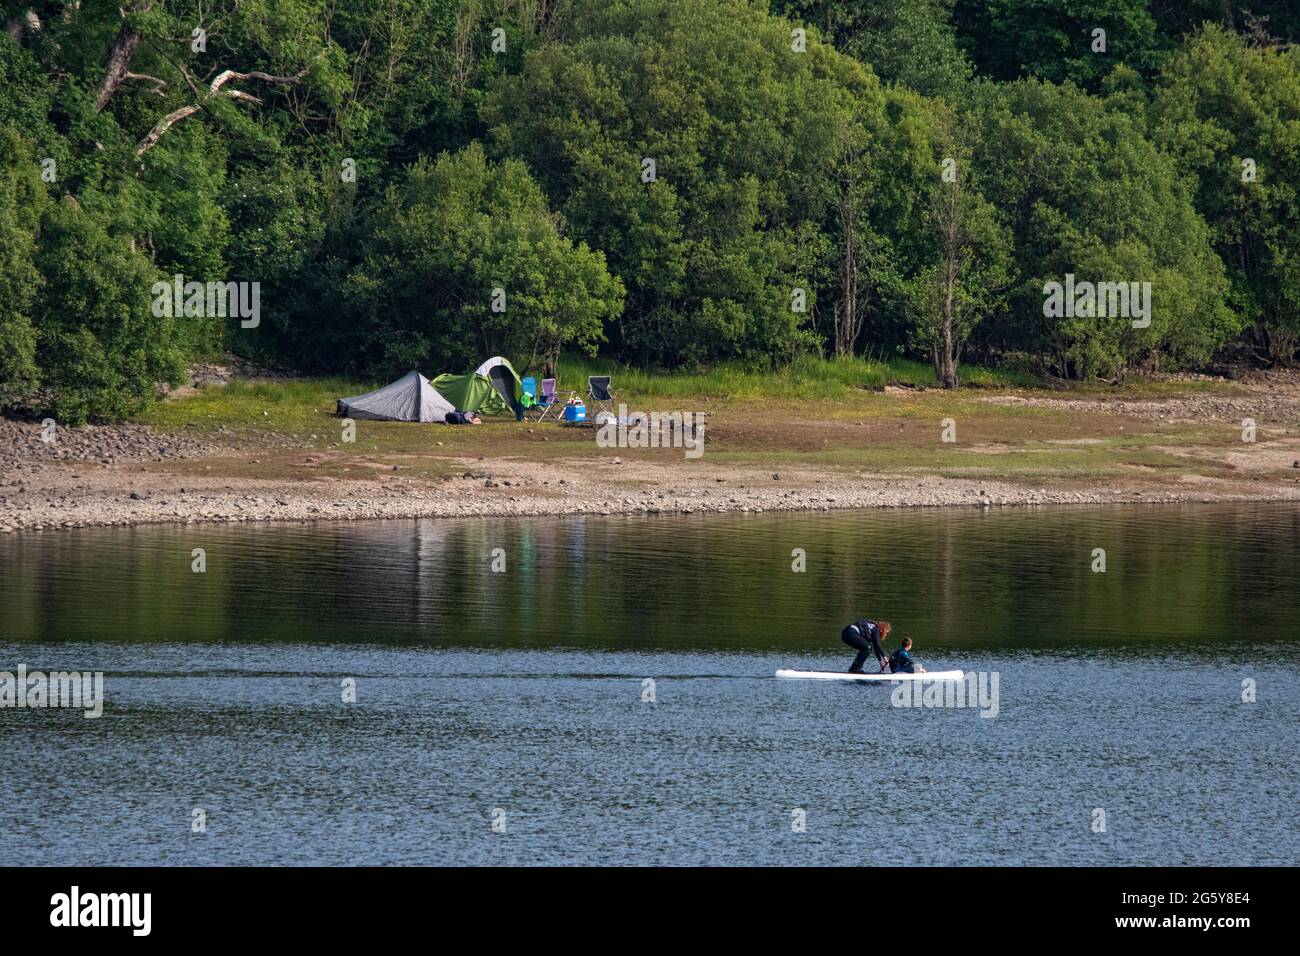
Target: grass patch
292, 404
804, 379
1030, 462
299, 405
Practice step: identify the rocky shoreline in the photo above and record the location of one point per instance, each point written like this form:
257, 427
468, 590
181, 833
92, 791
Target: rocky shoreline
24, 450
275, 504
103, 477
130, 474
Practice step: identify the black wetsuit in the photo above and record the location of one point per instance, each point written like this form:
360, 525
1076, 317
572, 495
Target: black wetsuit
865, 637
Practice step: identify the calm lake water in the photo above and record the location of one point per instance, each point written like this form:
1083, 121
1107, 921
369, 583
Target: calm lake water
518, 696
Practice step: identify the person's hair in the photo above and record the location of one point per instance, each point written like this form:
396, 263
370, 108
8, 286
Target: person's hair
907, 642
884, 628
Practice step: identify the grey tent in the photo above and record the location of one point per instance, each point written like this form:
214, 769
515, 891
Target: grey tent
410, 399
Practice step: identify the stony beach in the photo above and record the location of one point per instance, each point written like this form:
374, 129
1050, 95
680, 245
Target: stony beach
131, 474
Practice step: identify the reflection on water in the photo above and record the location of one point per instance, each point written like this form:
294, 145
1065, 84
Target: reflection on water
1213, 575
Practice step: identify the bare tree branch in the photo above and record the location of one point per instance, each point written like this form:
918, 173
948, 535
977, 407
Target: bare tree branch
119, 59
214, 90
146, 78
29, 22
226, 76
163, 125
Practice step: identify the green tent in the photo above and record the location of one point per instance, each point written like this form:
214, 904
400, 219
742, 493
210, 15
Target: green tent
491, 389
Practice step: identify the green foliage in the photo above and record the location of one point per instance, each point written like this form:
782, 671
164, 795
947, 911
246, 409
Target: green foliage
1055, 39
27, 99
1256, 19
22, 200
448, 235
964, 271
344, 165
1086, 193
1230, 114
101, 351
742, 131
913, 44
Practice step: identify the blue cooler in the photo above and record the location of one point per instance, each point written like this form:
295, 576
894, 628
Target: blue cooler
575, 413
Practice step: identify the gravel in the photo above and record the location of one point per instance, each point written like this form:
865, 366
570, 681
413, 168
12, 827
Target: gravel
22, 448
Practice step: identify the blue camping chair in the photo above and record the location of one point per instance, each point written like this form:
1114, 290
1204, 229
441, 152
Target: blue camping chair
537, 403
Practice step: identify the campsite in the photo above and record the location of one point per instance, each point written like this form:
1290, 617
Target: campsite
267, 449
494, 388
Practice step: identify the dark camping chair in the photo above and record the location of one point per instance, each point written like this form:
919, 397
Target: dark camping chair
601, 395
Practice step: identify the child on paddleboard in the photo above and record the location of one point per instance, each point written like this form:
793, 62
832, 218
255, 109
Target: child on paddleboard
865, 637
901, 660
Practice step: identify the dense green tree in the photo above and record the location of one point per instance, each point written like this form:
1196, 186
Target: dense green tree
792, 203
101, 349
1057, 39
22, 200
694, 144
445, 239
964, 271
1230, 113
913, 44
1086, 193
1253, 18
28, 99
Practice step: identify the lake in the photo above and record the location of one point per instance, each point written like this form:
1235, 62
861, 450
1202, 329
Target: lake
600, 690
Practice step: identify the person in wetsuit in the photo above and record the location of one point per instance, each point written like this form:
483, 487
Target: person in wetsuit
865, 636
901, 662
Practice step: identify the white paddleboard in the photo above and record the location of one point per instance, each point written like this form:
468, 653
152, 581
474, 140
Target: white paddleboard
841, 675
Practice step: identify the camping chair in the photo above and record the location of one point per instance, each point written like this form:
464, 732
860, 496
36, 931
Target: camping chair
601, 395
530, 392
547, 402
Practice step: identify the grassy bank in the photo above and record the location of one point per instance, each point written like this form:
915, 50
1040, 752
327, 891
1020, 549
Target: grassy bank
804, 438
803, 379
836, 417
296, 404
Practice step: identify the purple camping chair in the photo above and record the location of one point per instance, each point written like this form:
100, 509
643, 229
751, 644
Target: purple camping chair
546, 402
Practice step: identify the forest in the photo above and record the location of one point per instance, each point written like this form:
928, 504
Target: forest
669, 184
